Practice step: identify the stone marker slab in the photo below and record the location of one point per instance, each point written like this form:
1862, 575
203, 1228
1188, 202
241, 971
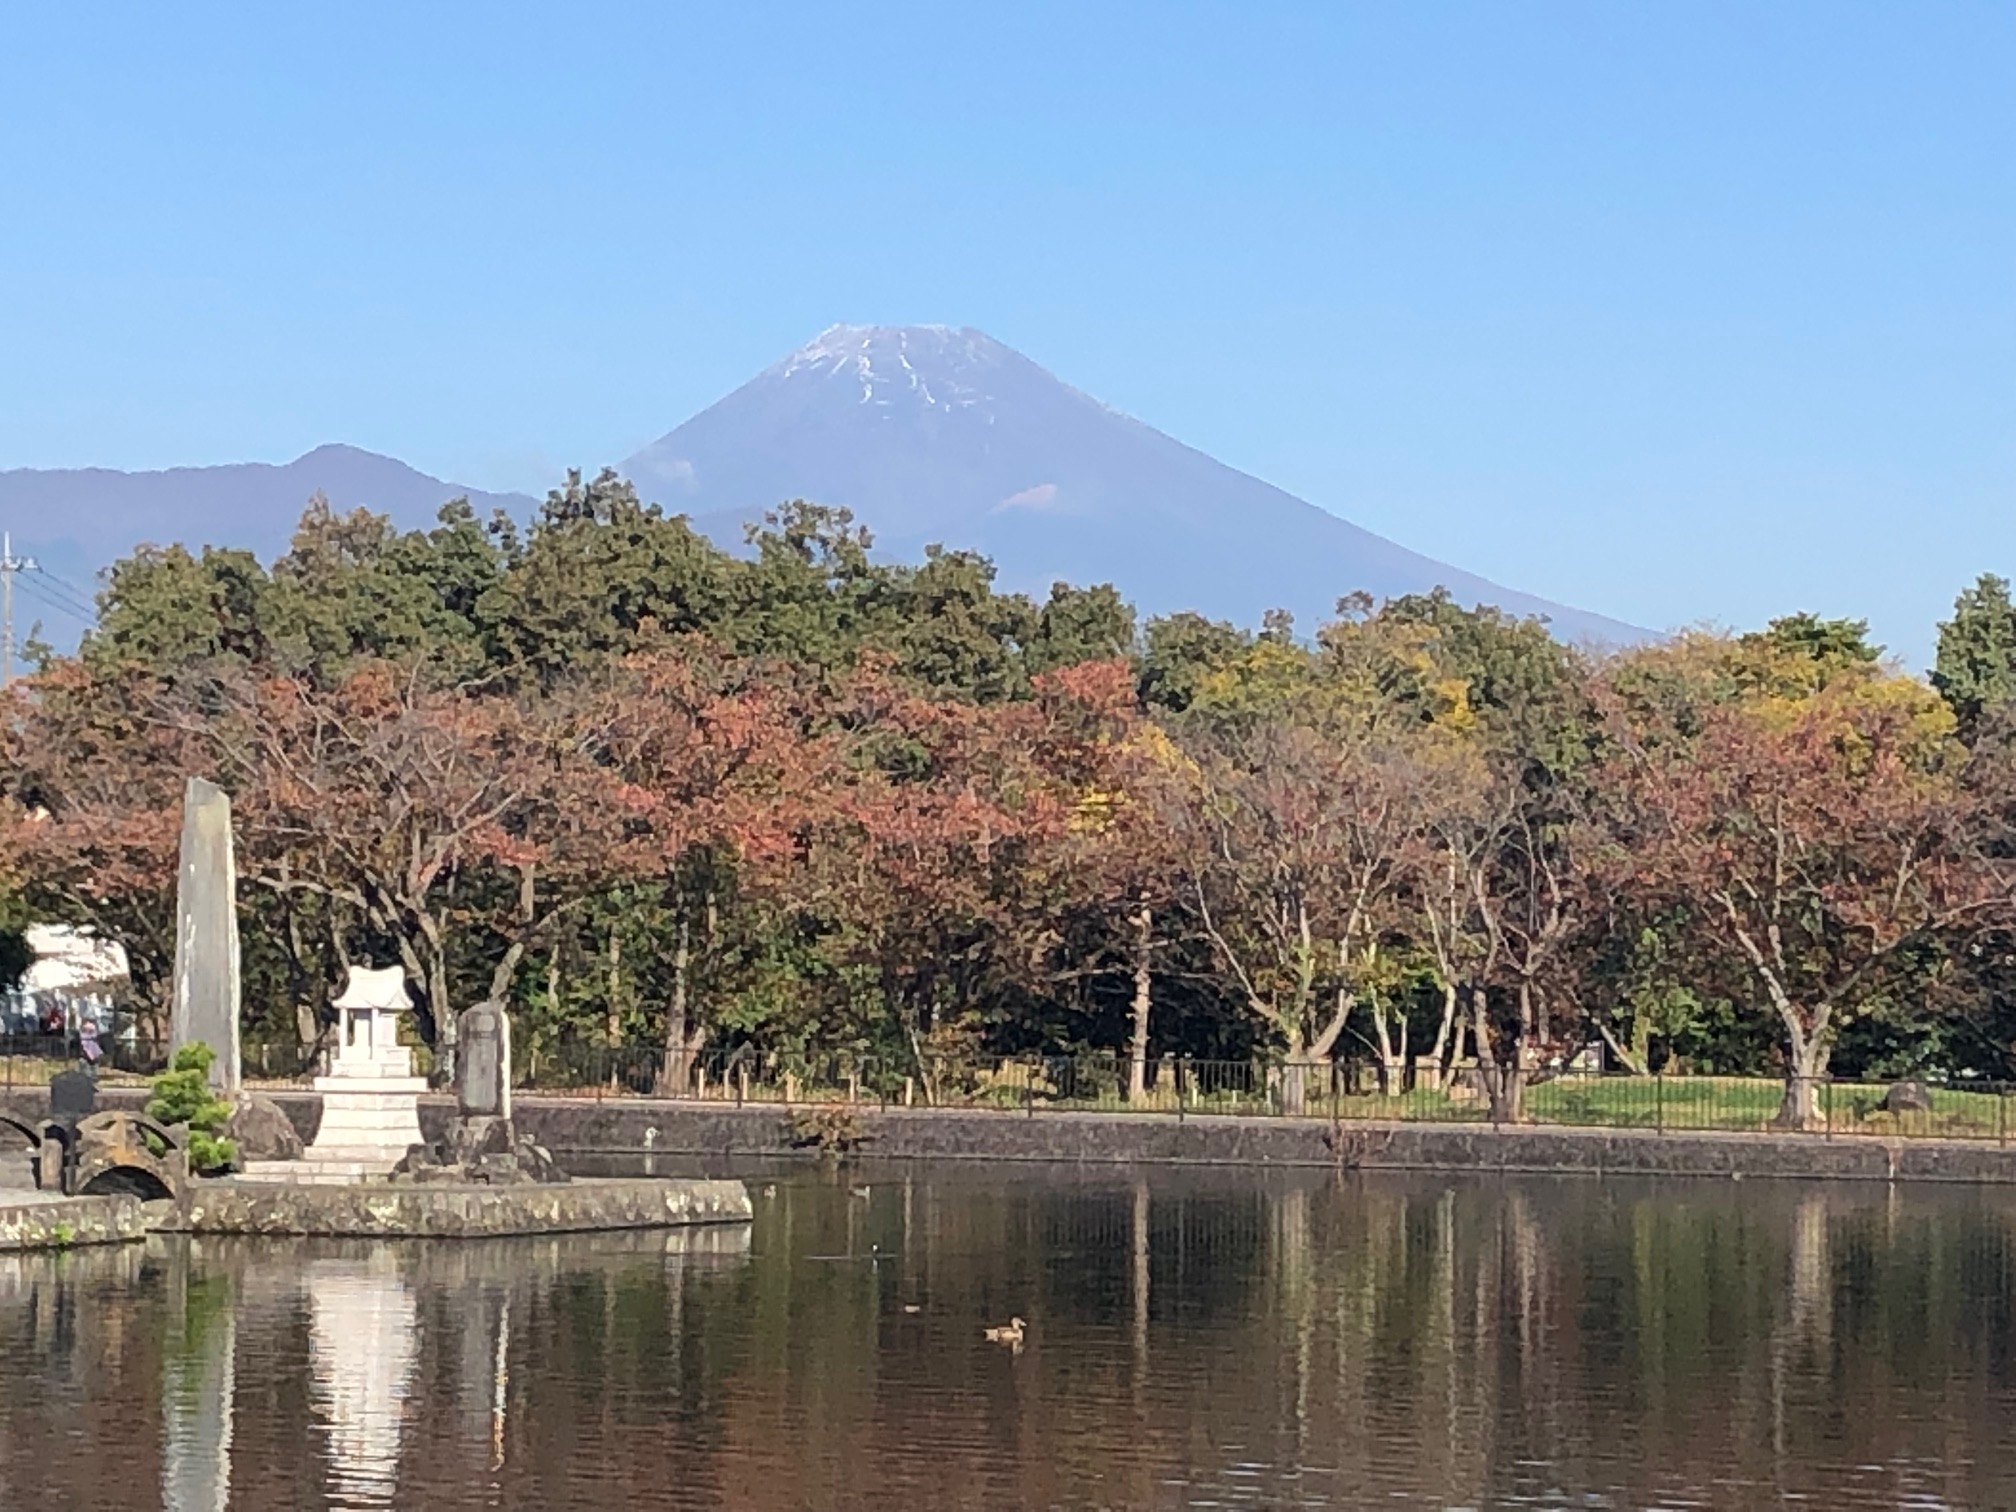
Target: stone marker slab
205, 1009
73, 1095
483, 1067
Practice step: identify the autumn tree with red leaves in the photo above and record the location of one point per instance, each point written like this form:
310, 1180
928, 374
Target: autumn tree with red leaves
1813, 837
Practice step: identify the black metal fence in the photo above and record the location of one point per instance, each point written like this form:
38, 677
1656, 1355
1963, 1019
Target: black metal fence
1184, 1087
122, 1059
1180, 1087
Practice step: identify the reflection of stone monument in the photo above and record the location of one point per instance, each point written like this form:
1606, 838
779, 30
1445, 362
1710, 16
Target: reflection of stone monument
362, 1324
206, 934
198, 1389
370, 1097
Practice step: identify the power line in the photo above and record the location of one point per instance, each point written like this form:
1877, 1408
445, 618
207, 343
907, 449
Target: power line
40, 592
59, 588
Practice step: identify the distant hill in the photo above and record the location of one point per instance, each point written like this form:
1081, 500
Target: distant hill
932, 434
77, 520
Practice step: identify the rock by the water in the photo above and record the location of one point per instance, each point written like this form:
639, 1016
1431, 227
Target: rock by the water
1907, 1097
484, 1151
261, 1130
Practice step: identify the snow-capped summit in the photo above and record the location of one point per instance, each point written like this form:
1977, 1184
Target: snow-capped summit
931, 365
943, 434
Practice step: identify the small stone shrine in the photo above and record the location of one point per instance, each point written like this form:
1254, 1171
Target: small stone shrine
481, 1145
370, 1096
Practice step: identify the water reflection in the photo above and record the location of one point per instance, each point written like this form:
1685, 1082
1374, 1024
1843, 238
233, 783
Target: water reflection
361, 1351
198, 1385
1195, 1339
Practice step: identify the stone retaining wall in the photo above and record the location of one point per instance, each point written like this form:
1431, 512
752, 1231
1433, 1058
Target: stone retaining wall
623, 1127
453, 1212
577, 1129
61, 1222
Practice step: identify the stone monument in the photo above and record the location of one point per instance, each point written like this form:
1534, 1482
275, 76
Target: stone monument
206, 934
481, 1145
483, 1071
370, 1096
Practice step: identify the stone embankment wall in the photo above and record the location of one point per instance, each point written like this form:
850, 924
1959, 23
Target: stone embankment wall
438, 1212
573, 1130
580, 1131
62, 1222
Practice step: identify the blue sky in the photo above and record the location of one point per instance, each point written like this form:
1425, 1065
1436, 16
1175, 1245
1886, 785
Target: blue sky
1679, 312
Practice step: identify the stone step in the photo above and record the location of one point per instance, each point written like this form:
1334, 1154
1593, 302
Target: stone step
314, 1172
383, 1156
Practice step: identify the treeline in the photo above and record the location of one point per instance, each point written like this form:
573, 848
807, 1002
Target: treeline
667, 800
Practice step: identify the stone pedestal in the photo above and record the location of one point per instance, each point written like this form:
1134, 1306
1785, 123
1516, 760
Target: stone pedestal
370, 1098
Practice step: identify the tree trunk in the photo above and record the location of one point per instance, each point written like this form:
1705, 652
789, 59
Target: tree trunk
1808, 1051
1137, 1067
1392, 1055
677, 1070
553, 988
1442, 1067
1634, 1057
1498, 1066
1295, 1077
613, 1019
444, 1021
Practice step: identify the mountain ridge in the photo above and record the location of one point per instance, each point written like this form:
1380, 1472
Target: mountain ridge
975, 445
929, 434
76, 521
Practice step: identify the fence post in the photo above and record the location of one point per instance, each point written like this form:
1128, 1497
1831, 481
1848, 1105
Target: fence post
1827, 1104
1182, 1087
2002, 1115
1029, 1090
1659, 1100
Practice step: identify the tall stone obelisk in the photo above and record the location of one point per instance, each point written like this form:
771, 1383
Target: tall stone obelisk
206, 934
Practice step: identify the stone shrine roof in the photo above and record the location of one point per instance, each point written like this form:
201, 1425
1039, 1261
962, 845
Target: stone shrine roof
383, 989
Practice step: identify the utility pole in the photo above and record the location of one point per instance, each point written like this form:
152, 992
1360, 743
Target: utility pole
9, 565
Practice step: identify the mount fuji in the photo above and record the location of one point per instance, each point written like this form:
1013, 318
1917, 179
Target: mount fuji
938, 435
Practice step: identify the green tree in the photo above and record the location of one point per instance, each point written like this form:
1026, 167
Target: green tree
950, 630
15, 956
598, 567
1975, 671
163, 607
1181, 651
812, 594
1081, 625
353, 588
182, 1095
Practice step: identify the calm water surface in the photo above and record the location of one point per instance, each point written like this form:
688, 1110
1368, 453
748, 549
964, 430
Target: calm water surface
1195, 1340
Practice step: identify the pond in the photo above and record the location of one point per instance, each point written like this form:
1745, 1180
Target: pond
1193, 1339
